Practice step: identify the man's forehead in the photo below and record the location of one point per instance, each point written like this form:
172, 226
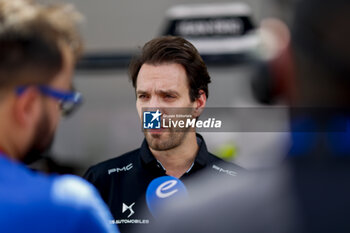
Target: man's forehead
163, 76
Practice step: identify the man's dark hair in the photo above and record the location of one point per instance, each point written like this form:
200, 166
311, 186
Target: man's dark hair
31, 40
171, 49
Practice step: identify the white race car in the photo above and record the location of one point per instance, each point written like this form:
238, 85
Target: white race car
218, 31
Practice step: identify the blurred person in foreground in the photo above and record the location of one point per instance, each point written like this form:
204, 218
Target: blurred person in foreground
39, 46
309, 191
169, 73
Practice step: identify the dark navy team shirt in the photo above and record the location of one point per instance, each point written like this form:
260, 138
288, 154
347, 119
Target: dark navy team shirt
123, 181
33, 202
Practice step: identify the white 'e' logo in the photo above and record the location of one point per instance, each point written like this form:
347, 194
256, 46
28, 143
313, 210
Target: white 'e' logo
164, 187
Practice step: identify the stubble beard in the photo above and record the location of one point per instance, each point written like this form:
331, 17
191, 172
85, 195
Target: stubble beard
166, 140
42, 140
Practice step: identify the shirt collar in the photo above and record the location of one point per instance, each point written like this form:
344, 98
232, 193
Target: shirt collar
202, 157
146, 155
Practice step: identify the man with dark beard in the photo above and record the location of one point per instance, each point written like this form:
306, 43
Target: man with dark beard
39, 46
309, 191
168, 75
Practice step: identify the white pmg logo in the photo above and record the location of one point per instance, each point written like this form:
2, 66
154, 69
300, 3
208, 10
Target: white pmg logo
125, 208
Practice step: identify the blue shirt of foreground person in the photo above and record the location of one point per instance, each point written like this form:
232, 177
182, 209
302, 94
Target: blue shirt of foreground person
39, 46
31, 202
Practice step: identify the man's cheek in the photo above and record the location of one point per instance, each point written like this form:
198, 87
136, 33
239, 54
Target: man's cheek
138, 108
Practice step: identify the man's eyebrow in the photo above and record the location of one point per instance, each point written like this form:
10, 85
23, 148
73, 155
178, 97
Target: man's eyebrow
141, 92
167, 92
159, 92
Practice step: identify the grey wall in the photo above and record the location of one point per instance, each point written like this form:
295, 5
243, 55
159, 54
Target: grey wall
125, 24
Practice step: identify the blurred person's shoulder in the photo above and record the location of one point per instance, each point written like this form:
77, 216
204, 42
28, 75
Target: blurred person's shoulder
62, 203
73, 192
79, 205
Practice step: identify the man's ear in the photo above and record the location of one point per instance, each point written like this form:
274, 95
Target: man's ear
26, 107
200, 103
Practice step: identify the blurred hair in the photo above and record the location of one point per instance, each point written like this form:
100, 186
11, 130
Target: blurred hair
31, 40
321, 51
172, 49
321, 35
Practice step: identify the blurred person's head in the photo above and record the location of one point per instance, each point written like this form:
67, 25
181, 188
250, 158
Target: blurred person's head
314, 68
39, 46
169, 73
321, 51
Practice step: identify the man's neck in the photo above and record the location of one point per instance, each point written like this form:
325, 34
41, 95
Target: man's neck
6, 147
178, 160
8, 134
6, 152
2, 151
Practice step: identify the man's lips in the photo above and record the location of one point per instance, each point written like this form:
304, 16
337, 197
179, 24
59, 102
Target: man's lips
157, 131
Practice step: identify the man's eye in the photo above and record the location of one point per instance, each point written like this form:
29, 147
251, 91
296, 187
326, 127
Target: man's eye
169, 96
142, 96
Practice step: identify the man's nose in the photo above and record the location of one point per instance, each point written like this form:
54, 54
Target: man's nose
155, 102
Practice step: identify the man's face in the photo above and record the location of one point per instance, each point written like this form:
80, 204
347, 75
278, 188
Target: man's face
50, 111
163, 86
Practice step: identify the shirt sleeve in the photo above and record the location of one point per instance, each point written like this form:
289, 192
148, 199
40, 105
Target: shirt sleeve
82, 199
